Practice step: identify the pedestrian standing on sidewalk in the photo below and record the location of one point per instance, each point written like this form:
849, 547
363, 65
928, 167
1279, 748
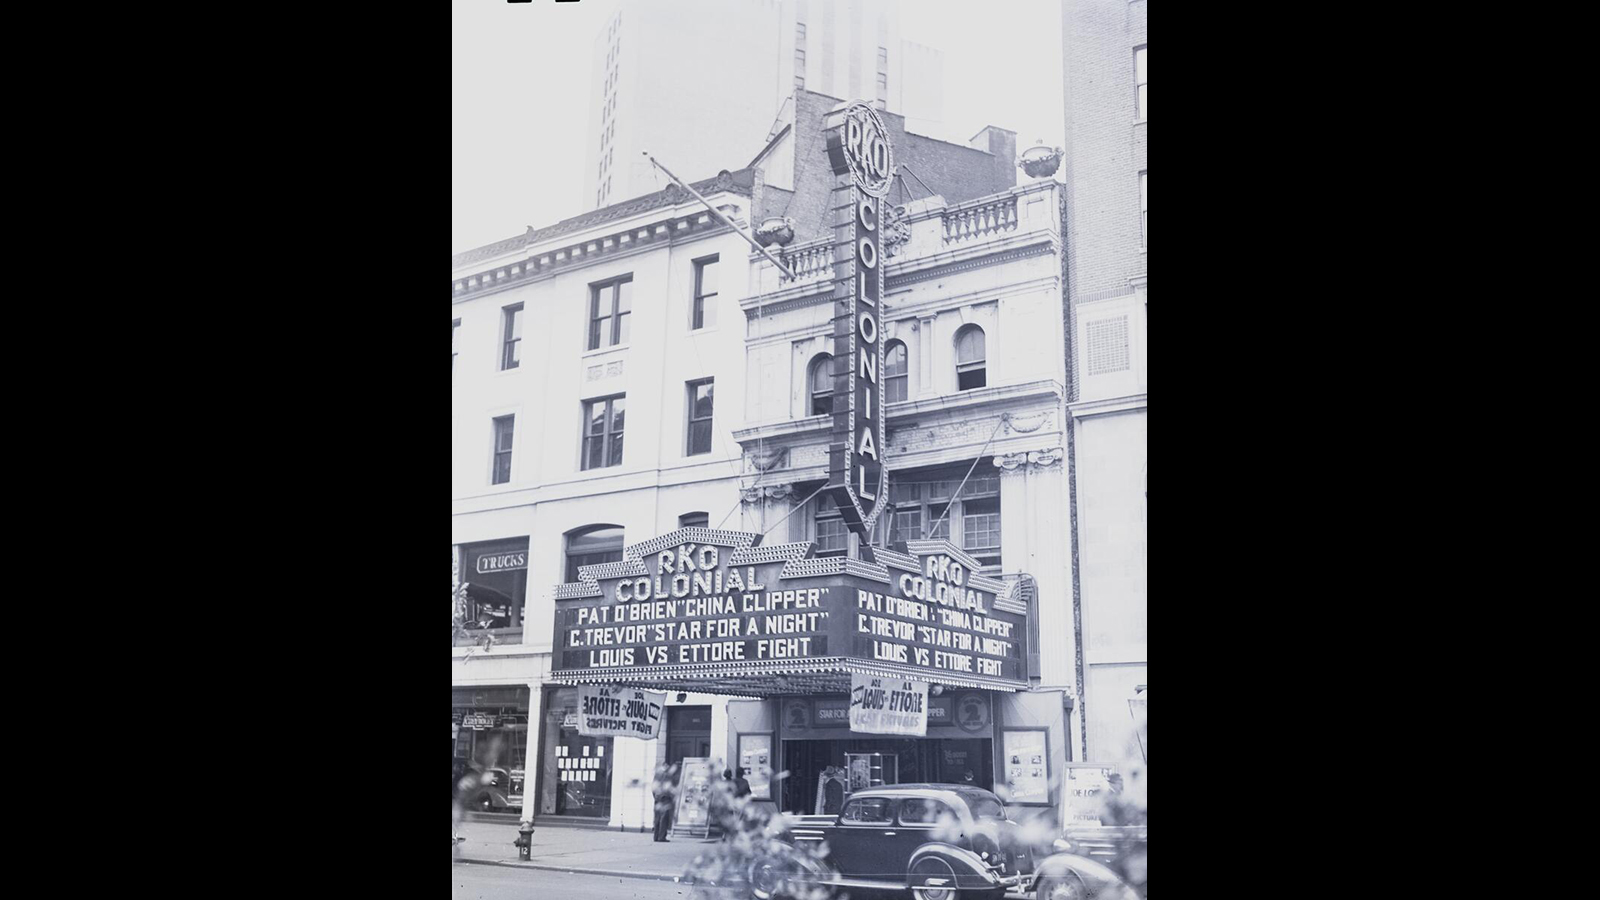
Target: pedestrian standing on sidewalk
741, 785
665, 789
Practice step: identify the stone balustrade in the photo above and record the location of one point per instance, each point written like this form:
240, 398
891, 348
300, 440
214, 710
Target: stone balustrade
983, 219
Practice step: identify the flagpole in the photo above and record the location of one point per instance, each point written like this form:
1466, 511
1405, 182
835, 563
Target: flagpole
725, 220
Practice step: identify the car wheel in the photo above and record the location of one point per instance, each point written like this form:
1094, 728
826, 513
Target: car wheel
1061, 887
768, 877
936, 869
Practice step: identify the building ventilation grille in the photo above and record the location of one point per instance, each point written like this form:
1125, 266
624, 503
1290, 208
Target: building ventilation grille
1107, 341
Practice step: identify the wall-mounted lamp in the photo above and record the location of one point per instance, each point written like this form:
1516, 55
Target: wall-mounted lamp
682, 697
937, 690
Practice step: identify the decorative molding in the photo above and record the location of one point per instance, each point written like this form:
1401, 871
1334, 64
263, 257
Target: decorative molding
994, 259
1031, 460
767, 493
776, 457
1028, 424
896, 230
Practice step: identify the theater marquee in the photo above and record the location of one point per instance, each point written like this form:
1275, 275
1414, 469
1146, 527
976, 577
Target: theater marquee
710, 610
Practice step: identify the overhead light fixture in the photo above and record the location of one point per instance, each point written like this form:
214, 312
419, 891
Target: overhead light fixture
682, 697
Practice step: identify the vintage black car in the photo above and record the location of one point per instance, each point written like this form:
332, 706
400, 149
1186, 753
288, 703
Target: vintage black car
940, 841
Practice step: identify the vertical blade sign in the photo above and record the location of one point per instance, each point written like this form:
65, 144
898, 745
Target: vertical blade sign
863, 168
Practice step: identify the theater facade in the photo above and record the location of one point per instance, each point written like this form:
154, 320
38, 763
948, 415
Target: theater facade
861, 485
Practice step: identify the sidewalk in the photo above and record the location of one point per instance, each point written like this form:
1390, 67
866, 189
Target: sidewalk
587, 850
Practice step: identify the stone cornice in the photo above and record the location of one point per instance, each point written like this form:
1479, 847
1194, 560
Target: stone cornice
539, 265
988, 401
1083, 409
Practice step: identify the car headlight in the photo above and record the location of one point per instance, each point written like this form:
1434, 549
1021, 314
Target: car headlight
1062, 845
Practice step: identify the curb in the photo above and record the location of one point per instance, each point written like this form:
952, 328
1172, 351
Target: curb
518, 864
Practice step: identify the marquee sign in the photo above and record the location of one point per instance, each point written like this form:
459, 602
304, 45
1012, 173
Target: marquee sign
863, 165
712, 605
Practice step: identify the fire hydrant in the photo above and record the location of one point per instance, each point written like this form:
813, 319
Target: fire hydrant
524, 841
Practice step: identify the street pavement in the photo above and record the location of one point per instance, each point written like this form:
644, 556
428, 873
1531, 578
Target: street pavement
472, 882
585, 863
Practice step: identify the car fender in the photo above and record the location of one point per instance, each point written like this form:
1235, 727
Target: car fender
970, 869
1102, 882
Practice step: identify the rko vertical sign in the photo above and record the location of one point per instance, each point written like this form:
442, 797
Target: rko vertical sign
863, 168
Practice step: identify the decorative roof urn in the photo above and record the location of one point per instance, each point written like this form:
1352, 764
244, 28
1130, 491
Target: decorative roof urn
1041, 161
775, 230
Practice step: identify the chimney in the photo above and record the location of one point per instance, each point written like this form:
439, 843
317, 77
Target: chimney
1003, 145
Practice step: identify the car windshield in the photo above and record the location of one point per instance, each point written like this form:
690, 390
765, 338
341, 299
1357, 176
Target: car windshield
984, 806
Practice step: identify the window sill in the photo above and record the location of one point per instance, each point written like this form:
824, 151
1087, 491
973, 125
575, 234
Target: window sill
603, 350
709, 330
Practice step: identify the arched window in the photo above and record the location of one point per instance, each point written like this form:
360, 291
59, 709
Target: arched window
821, 380
970, 358
694, 520
592, 545
894, 372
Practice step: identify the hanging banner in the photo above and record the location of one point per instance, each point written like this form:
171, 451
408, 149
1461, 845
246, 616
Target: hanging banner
607, 711
888, 705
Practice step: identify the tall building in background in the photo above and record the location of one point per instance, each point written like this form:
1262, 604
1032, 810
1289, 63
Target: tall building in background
1106, 76
700, 82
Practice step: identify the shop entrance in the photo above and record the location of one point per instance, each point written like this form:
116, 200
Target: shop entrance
938, 760
688, 733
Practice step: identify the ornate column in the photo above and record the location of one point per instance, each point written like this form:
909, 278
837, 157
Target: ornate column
762, 508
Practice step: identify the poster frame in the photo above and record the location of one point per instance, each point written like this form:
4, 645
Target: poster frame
1000, 759
683, 796
772, 755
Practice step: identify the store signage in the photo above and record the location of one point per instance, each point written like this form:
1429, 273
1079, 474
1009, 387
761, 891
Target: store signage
698, 602
888, 706
832, 713
608, 711
863, 165
502, 562
479, 721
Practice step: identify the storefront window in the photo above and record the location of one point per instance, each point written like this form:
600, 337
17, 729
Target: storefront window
489, 737
577, 768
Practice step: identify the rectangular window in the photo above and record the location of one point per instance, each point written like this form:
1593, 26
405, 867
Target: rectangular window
455, 335
609, 306
704, 311
602, 432
511, 353
981, 525
799, 68
700, 401
694, 520
503, 428
1144, 210
1141, 77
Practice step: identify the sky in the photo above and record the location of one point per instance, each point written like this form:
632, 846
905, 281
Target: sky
520, 96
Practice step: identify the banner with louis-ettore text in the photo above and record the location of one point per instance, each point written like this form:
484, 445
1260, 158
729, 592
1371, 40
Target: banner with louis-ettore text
609, 711
888, 705
702, 601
